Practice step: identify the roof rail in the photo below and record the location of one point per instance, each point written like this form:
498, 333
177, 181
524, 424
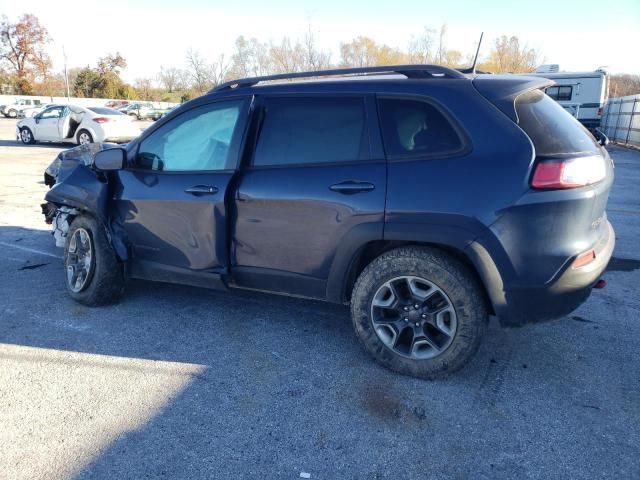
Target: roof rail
410, 71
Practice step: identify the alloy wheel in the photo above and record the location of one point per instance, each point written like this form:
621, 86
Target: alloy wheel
79, 262
413, 317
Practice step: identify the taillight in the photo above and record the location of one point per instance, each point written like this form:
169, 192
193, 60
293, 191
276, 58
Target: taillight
101, 119
569, 173
600, 111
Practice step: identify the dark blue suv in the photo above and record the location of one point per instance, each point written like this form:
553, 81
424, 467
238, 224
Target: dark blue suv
425, 198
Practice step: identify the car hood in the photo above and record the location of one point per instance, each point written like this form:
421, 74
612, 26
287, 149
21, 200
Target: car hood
67, 160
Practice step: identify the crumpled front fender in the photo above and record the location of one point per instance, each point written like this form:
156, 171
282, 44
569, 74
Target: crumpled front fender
87, 190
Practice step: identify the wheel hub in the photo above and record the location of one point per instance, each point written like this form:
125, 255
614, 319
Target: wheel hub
413, 317
78, 261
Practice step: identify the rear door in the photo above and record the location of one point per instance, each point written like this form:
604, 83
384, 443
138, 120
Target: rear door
171, 201
316, 177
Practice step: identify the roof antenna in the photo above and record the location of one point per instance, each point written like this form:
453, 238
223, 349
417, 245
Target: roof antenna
475, 59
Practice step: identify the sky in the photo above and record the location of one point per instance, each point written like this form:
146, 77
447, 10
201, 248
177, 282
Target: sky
577, 35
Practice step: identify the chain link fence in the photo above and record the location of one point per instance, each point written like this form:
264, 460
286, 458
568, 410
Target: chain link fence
621, 120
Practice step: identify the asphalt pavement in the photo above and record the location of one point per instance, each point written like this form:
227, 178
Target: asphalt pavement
178, 382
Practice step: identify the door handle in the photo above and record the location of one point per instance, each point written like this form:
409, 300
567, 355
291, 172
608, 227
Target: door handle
202, 190
350, 187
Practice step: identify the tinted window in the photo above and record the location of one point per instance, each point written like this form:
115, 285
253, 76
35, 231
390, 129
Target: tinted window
312, 130
105, 111
414, 127
551, 129
197, 140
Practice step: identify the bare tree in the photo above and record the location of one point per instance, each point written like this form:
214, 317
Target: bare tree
219, 70
315, 59
169, 78
144, 87
198, 71
421, 47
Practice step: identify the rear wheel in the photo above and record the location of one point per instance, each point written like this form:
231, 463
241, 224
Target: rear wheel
26, 136
84, 137
92, 272
419, 311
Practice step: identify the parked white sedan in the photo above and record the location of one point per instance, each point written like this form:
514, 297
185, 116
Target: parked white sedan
74, 124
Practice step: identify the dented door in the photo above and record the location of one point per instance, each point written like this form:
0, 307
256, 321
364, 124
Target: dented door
171, 199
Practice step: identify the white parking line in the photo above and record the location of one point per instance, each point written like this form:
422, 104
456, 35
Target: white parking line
32, 250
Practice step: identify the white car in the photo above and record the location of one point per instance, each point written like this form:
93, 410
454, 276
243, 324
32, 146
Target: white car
33, 111
74, 124
14, 109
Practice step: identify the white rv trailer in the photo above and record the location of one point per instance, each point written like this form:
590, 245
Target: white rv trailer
583, 94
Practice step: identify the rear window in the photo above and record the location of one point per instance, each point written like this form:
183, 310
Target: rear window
552, 130
312, 130
105, 111
416, 128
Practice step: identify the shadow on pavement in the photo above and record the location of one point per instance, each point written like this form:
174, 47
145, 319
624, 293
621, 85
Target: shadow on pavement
286, 388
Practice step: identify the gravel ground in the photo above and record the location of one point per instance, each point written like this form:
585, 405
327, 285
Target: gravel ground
179, 382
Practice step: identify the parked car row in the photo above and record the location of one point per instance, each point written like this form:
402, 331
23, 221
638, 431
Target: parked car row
14, 109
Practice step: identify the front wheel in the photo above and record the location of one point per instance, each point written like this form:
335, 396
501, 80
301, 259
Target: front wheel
26, 136
84, 137
12, 113
419, 311
92, 272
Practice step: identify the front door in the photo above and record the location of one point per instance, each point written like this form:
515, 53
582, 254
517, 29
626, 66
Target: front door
316, 178
171, 200
47, 124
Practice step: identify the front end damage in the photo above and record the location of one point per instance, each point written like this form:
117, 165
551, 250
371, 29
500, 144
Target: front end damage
78, 188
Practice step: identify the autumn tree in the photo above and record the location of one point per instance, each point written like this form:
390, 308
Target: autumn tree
103, 81
509, 56
365, 52
22, 47
624, 84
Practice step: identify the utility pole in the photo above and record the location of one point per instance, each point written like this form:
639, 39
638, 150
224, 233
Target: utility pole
66, 77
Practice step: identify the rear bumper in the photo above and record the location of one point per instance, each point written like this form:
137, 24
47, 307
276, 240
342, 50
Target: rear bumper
562, 294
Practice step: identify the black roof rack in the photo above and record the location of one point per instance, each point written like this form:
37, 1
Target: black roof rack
410, 71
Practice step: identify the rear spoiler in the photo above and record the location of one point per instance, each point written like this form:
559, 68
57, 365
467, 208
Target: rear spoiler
502, 90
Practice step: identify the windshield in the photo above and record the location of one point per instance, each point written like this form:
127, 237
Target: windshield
550, 127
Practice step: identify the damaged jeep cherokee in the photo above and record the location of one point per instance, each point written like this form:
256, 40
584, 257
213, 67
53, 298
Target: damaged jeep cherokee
426, 199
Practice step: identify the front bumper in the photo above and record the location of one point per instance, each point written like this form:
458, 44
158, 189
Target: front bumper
562, 294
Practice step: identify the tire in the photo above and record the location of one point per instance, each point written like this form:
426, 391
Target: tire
387, 331
26, 136
12, 113
103, 283
84, 137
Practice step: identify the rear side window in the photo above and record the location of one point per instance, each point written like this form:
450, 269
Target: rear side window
561, 93
416, 128
312, 130
551, 129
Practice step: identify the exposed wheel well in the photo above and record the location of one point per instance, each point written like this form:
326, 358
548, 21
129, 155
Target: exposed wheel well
374, 249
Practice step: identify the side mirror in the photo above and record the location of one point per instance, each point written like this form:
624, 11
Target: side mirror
110, 159
601, 137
